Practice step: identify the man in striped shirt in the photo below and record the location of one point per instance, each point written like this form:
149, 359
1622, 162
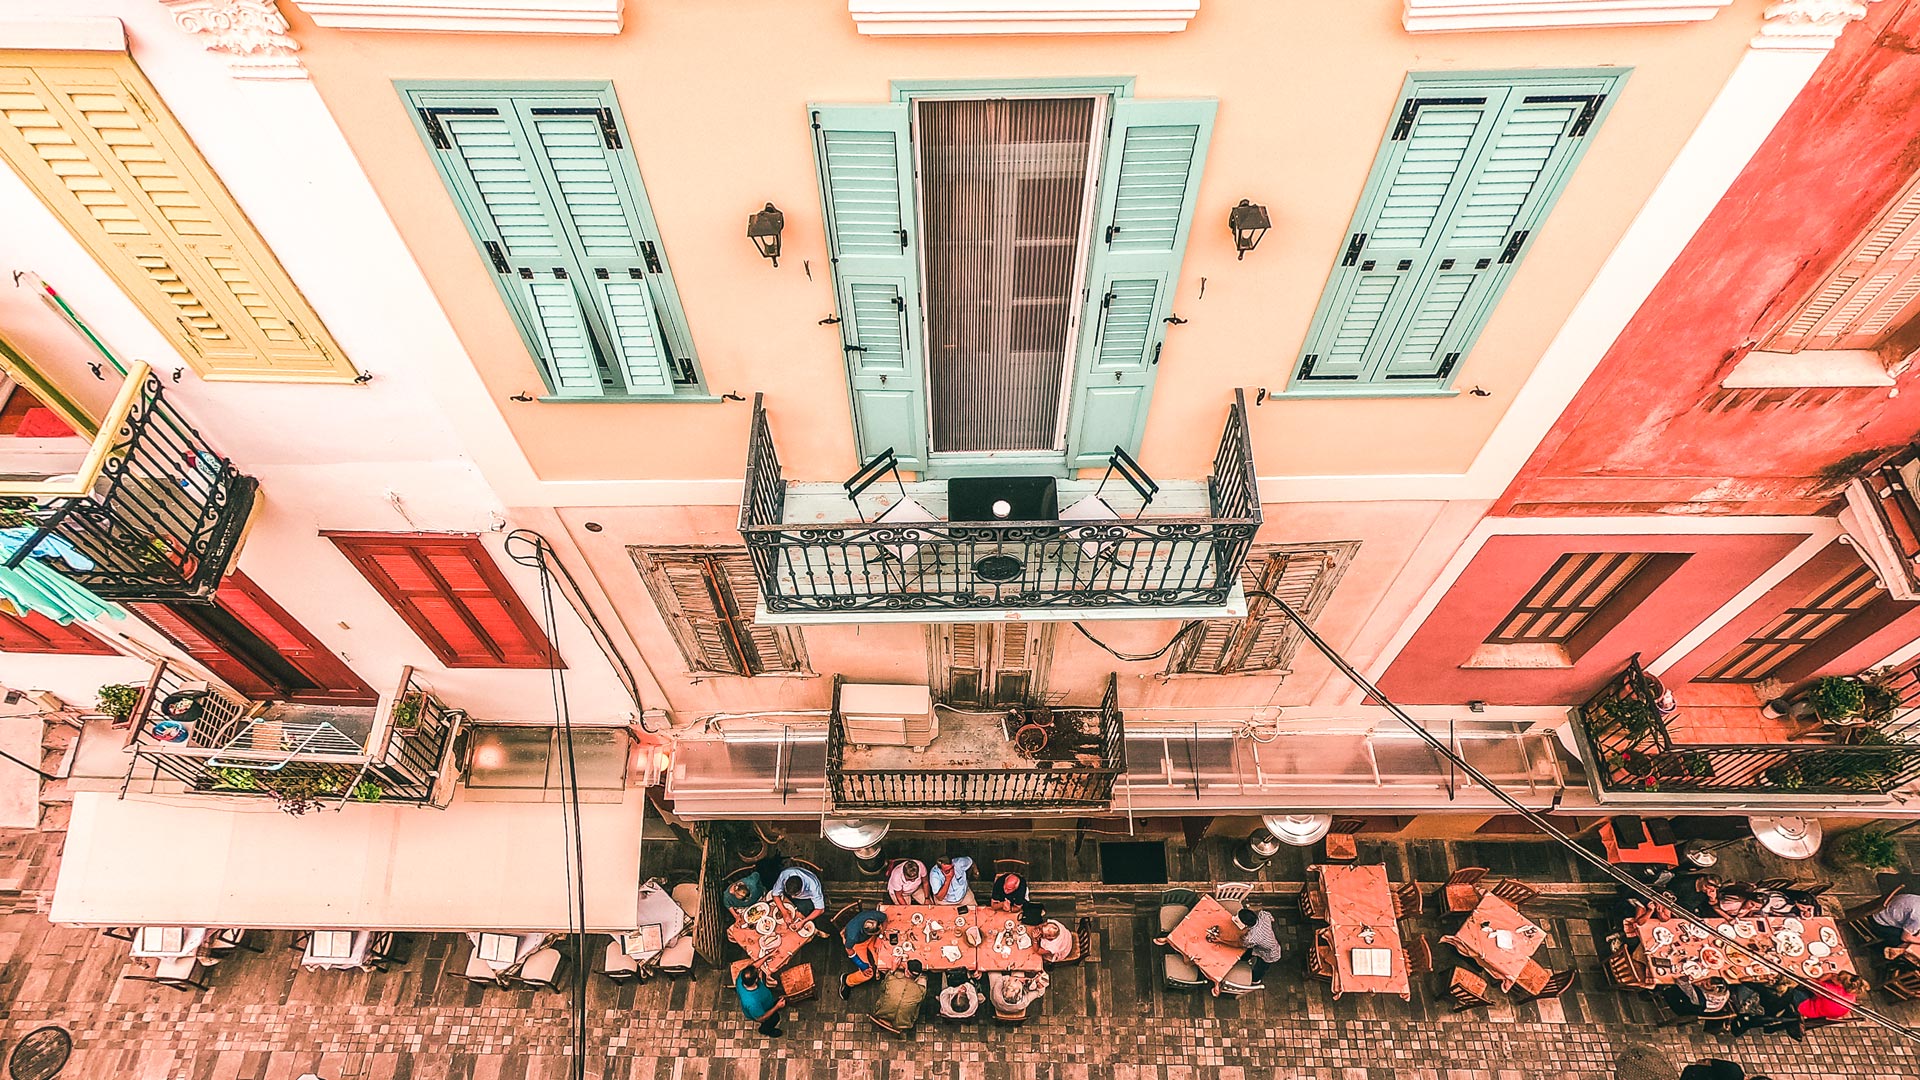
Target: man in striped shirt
1263, 946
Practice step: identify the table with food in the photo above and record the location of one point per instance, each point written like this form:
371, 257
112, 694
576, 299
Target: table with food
771, 932
944, 937
1675, 950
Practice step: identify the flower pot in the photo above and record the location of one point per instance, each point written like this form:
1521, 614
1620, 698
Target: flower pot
1777, 708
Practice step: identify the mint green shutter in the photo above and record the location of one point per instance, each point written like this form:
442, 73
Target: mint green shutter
865, 157
555, 206
1468, 172
1151, 174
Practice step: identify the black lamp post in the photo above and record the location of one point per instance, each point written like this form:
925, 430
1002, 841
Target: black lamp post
1249, 223
763, 228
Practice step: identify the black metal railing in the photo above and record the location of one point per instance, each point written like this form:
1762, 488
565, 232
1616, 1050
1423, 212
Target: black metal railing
1636, 753
162, 520
219, 757
1043, 787
1146, 562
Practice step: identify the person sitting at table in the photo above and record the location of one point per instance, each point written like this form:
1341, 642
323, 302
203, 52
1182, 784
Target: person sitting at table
1786, 902
907, 882
861, 937
1055, 941
947, 881
1032, 914
1009, 892
744, 893
803, 890
961, 998
759, 1000
1696, 892
1800, 1004
1257, 933
1634, 911
1013, 991
1897, 923
1736, 902
1686, 997
901, 994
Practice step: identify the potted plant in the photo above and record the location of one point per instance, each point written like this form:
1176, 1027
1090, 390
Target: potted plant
231, 778
299, 792
1835, 697
1868, 848
406, 713
117, 700
1879, 700
367, 791
1630, 716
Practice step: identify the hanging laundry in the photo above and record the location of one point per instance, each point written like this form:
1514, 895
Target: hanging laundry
36, 586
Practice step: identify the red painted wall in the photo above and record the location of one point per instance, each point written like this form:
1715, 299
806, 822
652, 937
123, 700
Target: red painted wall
1830, 560
1428, 671
1652, 431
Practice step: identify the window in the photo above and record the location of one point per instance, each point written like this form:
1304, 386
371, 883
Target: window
449, 591
1265, 639
507, 758
1030, 204
1795, 629
92, 138
1469, 169
990, 663
253, 645
35, 633
1873, 291
708, 597
1573, 591
552, 197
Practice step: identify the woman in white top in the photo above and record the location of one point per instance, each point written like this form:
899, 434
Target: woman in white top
1056, 941
907, 884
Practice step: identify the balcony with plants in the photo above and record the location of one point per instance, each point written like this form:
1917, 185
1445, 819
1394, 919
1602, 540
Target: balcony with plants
190, 737
1840, 736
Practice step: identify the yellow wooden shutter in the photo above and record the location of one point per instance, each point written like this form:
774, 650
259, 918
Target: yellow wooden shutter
89, 134
1870, 294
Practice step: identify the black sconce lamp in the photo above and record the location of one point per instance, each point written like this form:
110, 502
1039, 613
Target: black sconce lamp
1249, 223
763, 229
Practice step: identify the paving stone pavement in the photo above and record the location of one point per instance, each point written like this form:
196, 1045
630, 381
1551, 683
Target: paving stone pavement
1109, 1019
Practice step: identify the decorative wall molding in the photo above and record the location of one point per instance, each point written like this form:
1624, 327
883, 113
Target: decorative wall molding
1436, 16
251, 33
898, 18
1807, 24
469, 16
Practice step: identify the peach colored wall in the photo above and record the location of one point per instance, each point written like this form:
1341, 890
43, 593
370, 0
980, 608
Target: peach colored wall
1428, 669
714, 96
896, 652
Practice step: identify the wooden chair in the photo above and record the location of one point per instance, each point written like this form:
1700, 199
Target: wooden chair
1468, 989
1340, 843
1515, 892
615, 964
1858, 918
1320, 958
796, 982
804, 865
1233, 892
1180, 972
176, 973
1239, 980
231, 939
1774, 884
677, 958
1081, 935
1904, 985
1419, 956
472, 968
884, 1026
1407, 900
1544, 984
1624, 973
1461, 893
123, 933
1313, 903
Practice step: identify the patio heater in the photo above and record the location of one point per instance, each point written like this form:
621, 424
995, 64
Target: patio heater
860, 837
1253, 853
1299, 830
1788, 836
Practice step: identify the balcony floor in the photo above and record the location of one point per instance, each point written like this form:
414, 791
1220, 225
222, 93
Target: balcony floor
1726, 714
980, 742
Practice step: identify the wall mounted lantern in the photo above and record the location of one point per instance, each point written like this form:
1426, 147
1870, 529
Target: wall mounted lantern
1249, 223
763, 229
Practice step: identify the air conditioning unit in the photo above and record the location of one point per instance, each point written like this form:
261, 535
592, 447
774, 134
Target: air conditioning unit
877, 714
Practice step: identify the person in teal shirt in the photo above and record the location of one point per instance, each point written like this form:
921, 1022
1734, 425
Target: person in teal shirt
760, 1001
744, 893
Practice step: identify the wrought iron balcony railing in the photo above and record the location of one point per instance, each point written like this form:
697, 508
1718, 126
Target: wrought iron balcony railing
1635, 753
323, 757
160, 515
1069, 779
815, 564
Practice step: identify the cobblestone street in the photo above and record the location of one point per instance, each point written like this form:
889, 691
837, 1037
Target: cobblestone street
266, 1019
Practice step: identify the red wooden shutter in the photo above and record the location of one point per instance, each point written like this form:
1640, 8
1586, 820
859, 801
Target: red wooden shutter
35, 633
205, 651
449, 591
334, 680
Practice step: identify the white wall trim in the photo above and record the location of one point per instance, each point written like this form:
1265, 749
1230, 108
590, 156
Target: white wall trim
252, 34
1436, 16
469, 16
1815, 542
86, 34
1808, 368
900, 18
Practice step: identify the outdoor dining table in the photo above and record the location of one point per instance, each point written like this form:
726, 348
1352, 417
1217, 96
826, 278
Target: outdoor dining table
337, 949
1189, 938
659, 923
936, 935
1361, 918
502, 951
766, 932
1499, 938
168, 942
1674, 950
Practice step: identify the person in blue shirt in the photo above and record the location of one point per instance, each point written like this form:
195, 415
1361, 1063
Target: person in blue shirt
760, 1000
948, 880
744, 893
860, 936
802, 889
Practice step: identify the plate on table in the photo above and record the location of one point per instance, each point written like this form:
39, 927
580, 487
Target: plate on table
1023, 941
807, 929
1745, 928
919, 917
1815, 968
1662, 937
1789, 944
767, 925
1696, 932
1726, 930
951, 953
1819, 949
1692, 968
1830, 936
1713, 955
758, 911
974, 937
769, 942
1792, 925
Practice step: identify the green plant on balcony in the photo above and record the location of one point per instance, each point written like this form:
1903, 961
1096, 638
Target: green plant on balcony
1855, 768
299, 792
117, 700
1784, 774
1879, 700
367, 791
1868, 848
233, 778
406, 712
16, 511
1835, 697
1628, 716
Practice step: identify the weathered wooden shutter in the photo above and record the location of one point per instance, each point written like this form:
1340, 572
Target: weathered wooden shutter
35, 633
205, 651
708, 598
1871, 293
90, 136
1147, 192
865, 158
990, 663
1466, 175
1265, 639
554, 204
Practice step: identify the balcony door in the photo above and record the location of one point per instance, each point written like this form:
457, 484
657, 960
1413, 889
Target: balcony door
1797, 629
254, 646
990, 664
